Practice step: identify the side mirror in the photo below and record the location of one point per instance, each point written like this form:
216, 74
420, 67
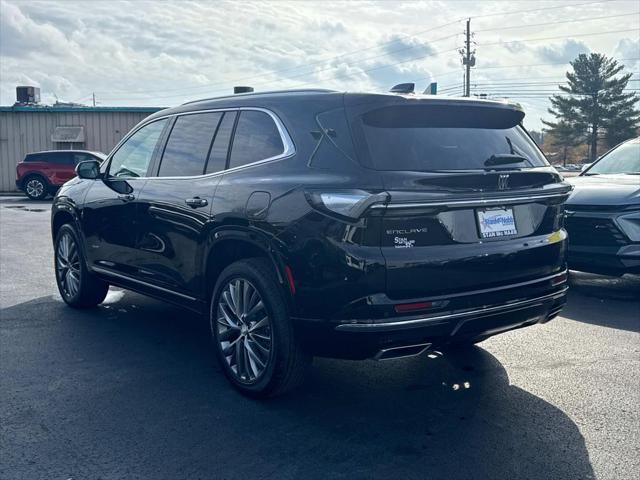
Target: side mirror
584, 167
89, 169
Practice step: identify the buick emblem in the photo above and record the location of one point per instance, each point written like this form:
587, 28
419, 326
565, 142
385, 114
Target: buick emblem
503, 181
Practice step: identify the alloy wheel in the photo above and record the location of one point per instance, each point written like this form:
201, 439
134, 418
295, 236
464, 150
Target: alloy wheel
68, 265
244, 330
34, 188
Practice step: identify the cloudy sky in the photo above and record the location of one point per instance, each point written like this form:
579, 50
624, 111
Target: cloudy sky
164, 53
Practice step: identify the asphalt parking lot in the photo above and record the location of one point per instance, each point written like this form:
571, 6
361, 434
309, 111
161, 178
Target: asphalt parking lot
130, 390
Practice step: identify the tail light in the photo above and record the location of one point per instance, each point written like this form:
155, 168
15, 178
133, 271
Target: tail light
346, 204
412, 307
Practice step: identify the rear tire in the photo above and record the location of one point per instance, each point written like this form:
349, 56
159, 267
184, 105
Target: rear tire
78, 287
36, 187
252, 333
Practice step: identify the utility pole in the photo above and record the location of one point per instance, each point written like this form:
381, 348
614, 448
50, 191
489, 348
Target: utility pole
467, 89
94, 98
468, 60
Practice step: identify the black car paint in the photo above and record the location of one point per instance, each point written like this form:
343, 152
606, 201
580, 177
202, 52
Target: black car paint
344, 272
597, 244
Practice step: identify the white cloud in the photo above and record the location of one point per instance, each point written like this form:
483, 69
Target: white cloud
562, 52
164, 53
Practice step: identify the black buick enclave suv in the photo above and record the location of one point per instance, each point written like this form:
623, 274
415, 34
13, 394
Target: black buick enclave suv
322, 223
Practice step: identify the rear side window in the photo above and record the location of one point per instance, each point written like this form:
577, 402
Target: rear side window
33, 157
59, 158
189, 144
256, 138
436, 138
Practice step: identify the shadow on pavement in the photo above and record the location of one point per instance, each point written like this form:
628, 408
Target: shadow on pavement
130, 390
22, 199
590, 296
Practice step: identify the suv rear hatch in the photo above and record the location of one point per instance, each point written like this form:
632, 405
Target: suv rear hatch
473, 204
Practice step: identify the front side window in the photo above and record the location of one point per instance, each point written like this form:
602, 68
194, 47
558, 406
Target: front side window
188, 145
624, 159
256, 138
133, 157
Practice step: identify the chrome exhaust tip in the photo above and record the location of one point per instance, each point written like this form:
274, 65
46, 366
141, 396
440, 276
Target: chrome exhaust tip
403, 351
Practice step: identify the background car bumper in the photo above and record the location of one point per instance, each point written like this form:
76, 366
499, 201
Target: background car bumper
605, 260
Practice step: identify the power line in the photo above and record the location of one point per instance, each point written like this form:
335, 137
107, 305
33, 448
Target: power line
334, 67
327, 60
437, 53
507, 84
556, 23
192, 89
561, 36
420, 58
521, 65
539, 9
545, 95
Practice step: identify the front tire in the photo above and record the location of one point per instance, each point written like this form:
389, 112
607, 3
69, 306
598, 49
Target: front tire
78, 287
36, 187
253, 336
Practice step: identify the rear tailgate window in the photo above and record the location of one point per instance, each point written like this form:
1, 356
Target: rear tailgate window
439, 137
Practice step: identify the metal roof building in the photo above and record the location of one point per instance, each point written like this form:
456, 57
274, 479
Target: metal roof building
32, 128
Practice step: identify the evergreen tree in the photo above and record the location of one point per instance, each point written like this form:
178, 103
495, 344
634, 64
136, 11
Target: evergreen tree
621, 128
564, 135
595, 100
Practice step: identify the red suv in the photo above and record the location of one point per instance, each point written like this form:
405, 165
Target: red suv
41, 173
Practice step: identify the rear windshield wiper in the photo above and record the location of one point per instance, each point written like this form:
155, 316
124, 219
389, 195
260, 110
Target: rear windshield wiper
505, 159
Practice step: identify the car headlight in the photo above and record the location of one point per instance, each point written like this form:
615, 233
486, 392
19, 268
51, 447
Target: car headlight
630, 224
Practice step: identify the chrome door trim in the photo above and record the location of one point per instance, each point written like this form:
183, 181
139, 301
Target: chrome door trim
110, 273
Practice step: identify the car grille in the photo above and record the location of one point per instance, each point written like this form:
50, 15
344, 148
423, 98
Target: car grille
593, 231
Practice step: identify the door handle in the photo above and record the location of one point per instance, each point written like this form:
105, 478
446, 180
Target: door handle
196, 202
127, 197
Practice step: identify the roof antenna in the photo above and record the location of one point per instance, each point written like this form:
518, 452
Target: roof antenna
403, 88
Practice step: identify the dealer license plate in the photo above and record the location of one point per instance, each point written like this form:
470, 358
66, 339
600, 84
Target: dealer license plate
498, 222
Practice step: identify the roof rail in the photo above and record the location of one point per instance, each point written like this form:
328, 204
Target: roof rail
271, 92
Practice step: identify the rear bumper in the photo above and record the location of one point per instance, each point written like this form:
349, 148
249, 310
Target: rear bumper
455, 320
519, 306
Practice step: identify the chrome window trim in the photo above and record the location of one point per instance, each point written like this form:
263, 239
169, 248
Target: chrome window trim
107, 161
287, 142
